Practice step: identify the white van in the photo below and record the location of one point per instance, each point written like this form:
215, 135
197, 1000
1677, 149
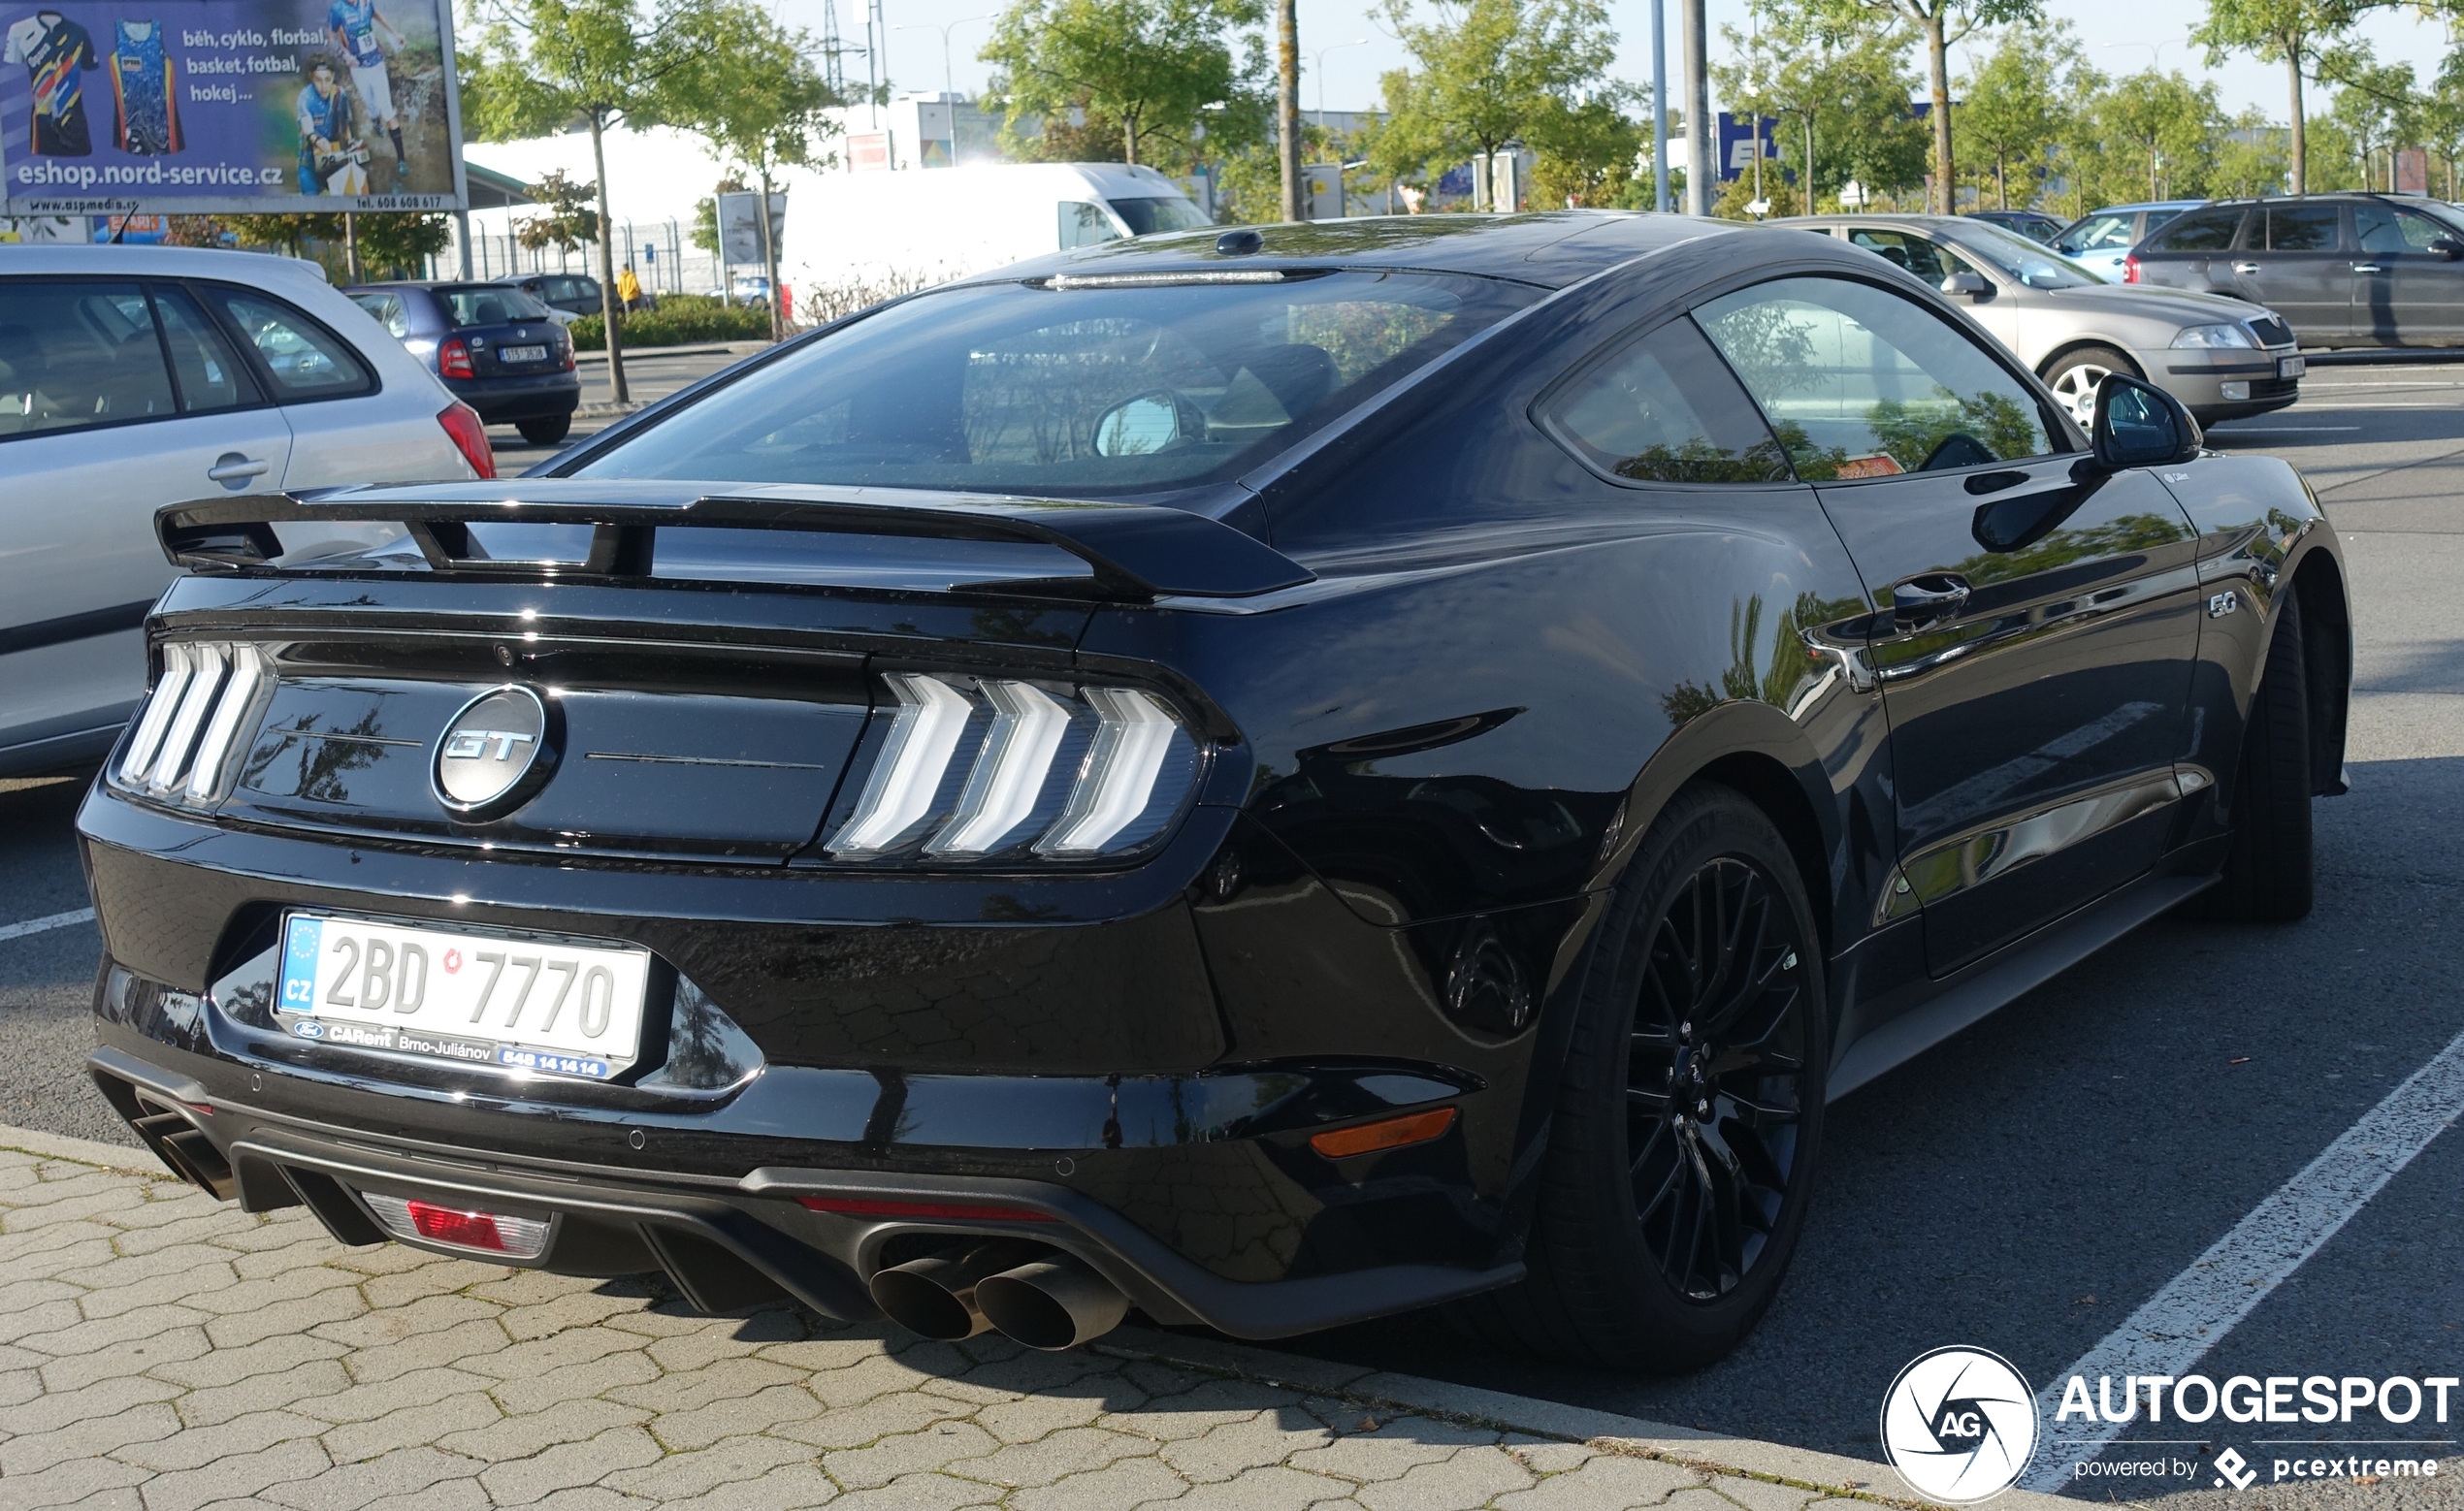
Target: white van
890, 231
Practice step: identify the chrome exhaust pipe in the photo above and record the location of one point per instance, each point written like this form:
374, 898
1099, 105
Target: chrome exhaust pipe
935, 1296
1052, 1303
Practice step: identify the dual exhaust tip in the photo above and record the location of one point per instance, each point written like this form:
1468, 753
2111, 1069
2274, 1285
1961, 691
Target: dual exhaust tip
1031, 1294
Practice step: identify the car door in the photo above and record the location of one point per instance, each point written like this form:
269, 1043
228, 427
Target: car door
2033, 633
116, 398
1935, 262
2405, 292
344, 428
2293, 261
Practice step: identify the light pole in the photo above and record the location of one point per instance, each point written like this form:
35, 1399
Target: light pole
1316, 62
2155, 50
947, 86
1659, 108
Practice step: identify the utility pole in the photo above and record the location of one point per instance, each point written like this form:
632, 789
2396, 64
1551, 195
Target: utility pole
1702, 133
834, 71
1659, 107
1287, 102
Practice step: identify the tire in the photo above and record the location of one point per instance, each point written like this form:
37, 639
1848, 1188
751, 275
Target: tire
1660, 1236
545, 430
2074, 375
2267, 871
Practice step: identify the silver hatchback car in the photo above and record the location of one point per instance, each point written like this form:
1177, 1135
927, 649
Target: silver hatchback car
2223, 358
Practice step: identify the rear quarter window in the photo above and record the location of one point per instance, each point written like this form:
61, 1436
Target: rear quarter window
2199, 231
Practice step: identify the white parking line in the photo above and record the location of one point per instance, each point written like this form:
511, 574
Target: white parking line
57, 920
2192, 1313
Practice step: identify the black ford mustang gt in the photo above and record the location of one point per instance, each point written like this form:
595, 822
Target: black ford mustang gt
1268, 779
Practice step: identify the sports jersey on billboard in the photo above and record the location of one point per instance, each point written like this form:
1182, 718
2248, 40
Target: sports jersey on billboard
228, 106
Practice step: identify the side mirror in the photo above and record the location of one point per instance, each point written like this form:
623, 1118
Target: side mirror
1138, 428
2448, 246
1971, 285
2140, 424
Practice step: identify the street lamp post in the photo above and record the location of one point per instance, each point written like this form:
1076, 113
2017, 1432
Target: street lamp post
1659, 109
947, 75
1316, 60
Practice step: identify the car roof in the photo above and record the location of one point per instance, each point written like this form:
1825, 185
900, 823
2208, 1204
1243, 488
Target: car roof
1551, 248
160, 262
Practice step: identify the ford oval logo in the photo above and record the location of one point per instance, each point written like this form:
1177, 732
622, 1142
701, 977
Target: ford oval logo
495, 753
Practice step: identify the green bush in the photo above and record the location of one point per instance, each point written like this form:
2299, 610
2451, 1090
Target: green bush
680, 320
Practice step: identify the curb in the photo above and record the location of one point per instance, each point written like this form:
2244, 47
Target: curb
718, 349
1603, 1432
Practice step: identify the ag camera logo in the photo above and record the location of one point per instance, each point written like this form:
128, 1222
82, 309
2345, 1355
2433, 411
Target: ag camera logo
1960, 1425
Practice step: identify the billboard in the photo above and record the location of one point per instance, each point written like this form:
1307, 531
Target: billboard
218, 107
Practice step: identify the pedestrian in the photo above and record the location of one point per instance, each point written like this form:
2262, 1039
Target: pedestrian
627, 290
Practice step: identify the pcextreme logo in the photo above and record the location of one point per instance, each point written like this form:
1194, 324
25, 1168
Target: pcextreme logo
1960, 1425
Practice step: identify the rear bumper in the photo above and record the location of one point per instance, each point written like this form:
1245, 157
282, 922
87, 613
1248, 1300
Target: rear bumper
501, 399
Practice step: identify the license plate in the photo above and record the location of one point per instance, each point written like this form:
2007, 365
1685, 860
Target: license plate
522, 354
536, 1005
2292, 367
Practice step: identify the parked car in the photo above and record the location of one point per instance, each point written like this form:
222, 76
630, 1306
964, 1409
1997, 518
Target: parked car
2221, 357
901, 229
2031, 224
568, 295
1271, 778
2100, 240
2346, 269
133, 378
492, 344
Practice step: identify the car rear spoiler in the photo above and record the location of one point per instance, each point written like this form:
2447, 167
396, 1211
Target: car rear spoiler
1134, 552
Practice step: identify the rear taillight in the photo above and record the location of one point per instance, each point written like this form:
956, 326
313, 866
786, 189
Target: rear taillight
2130, 268
492, 1233
196, 722
979, 768
469, 435
565, 353
453, 358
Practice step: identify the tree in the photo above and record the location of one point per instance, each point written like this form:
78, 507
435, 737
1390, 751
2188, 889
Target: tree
2378, 108
1490, 72
2290, 32
2249, 160
1940, 23
2162, 125
2015, 109
1149, 67
756, 96
1585, 151
543, 64
569, 223
1837, 81
397, 242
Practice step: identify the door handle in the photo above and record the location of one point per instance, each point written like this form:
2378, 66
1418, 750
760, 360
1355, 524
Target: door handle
2367, 267
2245, 268
1929, 597
232, 468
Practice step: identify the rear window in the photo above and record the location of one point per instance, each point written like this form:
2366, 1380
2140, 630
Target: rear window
1164, 213
2199, 231
1103, 387
489, 304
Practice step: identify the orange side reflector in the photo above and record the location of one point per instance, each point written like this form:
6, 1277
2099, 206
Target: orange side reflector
1387, 1133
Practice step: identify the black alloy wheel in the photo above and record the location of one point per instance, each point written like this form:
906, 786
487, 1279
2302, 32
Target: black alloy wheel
1715, 1078
1689, 1109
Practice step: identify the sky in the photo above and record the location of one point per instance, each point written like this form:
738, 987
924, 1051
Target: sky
2121, 36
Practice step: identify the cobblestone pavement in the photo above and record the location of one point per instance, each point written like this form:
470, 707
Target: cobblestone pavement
160, 1350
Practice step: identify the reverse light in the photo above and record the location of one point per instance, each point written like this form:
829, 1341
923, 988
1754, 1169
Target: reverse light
2214, 335
980, 767
469, 435
195, 723
2130, 268
453, 359
492, 1233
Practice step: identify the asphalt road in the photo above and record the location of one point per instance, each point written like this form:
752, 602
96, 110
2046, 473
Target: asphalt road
2026, 1186
650, 373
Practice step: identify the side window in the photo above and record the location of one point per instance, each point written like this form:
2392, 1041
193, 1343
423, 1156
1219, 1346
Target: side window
2383, 227
303, 359
1664, 410
2199, 231
2098, 232
387, 310
74, 355
209, 374
1914, 253
2302, 228
1084, 224
1862, 383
